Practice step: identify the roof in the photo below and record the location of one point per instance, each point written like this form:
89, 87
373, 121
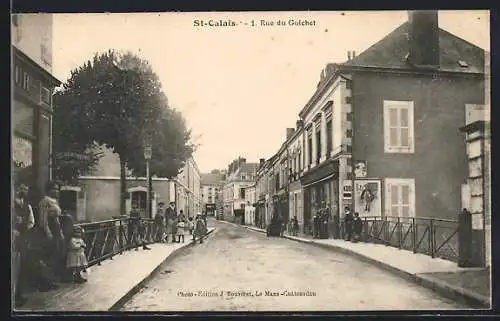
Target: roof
249, 168
37, 67
390, 53
211, 178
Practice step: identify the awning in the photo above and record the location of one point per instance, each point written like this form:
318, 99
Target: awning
328, 170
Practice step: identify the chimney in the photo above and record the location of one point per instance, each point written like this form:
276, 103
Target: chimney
348, 55
423, 34
353, 54
298, 124
289, 132
262, 161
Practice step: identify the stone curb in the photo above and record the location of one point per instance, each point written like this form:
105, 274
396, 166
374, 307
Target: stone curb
127, 296
476, 300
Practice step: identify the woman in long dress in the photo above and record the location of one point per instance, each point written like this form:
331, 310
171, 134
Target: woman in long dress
200, 228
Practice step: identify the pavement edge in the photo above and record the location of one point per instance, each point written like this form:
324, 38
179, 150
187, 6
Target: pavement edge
127, 296
475, 300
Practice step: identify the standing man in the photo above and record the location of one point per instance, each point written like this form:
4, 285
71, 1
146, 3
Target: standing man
160, 223
24, 222
136, 228
170, 216
50, 234
348, 219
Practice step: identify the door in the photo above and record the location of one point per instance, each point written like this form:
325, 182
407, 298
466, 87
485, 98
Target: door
140, 198
68, 203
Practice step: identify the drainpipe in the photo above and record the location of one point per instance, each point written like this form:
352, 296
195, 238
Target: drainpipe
353, 118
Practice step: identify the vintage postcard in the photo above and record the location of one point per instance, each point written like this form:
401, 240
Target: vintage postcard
251, 161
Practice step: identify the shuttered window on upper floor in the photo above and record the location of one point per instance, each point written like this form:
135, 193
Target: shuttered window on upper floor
398, 127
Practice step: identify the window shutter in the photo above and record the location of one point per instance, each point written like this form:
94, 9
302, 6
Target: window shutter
411, 128
388, 198
387, 147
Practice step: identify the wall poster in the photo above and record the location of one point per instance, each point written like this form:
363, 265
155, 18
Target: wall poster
368, 200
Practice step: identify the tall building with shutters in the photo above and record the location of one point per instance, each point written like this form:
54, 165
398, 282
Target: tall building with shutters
33, 85
383, 126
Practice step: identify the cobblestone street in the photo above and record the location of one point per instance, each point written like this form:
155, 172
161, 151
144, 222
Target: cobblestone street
248, 264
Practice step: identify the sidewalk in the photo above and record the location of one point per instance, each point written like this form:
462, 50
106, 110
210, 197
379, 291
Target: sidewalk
442, 276
108, 284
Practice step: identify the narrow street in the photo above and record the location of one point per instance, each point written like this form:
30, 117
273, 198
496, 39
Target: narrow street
240, 270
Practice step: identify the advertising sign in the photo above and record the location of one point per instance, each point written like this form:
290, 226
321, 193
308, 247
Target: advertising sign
368, 200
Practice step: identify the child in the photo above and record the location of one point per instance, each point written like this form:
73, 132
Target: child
180, 230
190, 225
77, 261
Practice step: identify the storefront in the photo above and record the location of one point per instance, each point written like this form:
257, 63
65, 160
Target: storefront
320, 186
31, 123
210, 209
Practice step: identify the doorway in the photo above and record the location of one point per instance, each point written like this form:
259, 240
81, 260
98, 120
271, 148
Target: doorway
140, 198
68, 202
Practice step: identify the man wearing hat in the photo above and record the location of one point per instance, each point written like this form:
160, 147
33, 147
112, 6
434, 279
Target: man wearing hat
24, 222
160, 223
171, 218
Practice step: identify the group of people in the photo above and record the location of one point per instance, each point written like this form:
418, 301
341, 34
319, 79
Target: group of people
170, 225
47, 247
353, 225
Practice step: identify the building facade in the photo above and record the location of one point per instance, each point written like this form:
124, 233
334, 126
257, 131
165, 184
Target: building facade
380, 134
326, 137
261, 193
33, 85
188, 189
240, 174
96, 197
417, 71
250, 200
295, 152
210, 191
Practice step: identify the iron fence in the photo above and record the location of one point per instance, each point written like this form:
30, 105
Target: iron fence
106, 239
430, 236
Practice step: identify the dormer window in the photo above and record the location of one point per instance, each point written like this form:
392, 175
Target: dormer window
463, 64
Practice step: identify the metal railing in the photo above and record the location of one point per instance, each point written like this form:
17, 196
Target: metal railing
430, 236
106, 239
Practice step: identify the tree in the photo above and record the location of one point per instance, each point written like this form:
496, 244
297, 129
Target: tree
171, 146
111, 100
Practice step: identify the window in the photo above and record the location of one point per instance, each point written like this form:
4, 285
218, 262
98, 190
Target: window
398, 127
309, 149
26, 81
400, 197
243, 177
329, 137
242, 193
210, 199
17, 75
475, 112
44, 95
318, 145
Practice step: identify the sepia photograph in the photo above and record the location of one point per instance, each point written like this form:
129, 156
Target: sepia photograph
274, 161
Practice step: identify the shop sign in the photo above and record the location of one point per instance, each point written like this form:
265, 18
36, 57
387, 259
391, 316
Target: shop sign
347, 190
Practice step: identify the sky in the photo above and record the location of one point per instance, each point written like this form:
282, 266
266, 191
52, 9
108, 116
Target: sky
239, 87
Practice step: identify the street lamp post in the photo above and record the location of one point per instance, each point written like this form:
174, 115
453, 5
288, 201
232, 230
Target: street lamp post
148, 152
